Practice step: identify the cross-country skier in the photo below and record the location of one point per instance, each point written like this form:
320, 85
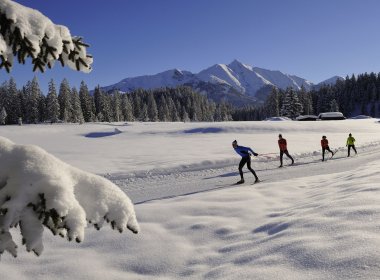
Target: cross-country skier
283, 149
245, 153
325, 147
351, 144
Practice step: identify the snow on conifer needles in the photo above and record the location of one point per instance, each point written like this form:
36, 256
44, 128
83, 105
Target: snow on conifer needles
37, 190
26, 33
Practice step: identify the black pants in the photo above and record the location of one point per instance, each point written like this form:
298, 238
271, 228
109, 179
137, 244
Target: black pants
349, 148
246, 160
287, 154
323, 152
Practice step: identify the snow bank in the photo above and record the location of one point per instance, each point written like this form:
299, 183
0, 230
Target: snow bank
37, 190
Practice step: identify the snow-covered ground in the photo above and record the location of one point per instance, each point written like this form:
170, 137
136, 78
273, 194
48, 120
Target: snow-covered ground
313, 220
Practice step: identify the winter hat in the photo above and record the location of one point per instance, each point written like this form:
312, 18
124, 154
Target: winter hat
350, 134
280, 135
234, 142
323, 136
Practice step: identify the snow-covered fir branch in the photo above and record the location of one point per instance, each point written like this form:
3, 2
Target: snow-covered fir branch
26, 32
39, 191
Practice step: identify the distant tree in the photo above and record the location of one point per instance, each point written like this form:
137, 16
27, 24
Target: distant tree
98, 100
127, 109
363, 109
86, 103
3, 116
77, 114
163, 110
144, 117
291, 106
272, 103
52, 104
152, 108
65, 101
306, 100
116, 106
185, 115
373, 110
14, 102
173, 113
334, 107
105, 114
34, 95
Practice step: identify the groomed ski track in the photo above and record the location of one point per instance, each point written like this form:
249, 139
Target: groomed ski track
172, 183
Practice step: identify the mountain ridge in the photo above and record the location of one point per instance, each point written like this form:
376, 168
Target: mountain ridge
219, 81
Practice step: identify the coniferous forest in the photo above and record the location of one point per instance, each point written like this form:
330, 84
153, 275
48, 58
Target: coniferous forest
67, 104
353, 96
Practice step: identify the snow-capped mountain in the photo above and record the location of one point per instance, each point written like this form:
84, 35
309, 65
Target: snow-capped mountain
170, 78
219, 81
331, 81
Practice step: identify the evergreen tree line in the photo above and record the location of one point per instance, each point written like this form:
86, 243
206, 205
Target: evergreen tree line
67, 104
354, 95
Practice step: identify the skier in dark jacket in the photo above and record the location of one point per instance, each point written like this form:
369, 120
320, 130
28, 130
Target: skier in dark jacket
283, 149
245, 153
325, 147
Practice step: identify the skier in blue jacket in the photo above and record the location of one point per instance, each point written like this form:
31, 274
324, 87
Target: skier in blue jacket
245, 153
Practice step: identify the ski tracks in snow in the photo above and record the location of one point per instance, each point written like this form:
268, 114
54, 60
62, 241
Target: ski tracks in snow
148, 187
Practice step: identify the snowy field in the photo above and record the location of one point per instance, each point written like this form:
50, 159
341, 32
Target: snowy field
313, 220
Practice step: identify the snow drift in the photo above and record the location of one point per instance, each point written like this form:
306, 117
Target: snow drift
37, 190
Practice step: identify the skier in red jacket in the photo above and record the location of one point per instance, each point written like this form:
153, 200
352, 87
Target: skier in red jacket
325, 147
283, 149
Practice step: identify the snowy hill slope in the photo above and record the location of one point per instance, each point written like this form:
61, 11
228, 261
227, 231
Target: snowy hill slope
313, 220
237, 76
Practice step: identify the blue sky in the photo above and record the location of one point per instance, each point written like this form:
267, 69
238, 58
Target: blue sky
312, 39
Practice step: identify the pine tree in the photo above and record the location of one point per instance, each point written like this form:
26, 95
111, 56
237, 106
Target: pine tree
144, 117
116, 106
373, 110
77, 114
163, 110
52, 105
185, 115
14, 102
64, 99
218, 114
291, 106
3, 116
305, 99
272, 103
334, 107
98, 100
152, 108
105, 114
34, 96
86, 103
127, 109
42, 107
137, 102
173, 113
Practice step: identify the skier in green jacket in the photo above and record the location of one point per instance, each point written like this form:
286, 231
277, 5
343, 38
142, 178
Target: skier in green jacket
351, 144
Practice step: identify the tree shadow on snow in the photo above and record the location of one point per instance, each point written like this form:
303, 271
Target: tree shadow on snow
102, 134
204, 130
